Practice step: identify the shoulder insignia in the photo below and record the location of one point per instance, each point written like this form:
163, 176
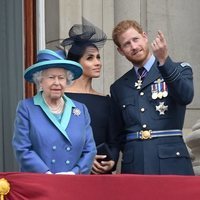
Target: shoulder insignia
184, 64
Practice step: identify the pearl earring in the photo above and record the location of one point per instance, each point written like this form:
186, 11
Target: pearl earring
40, 89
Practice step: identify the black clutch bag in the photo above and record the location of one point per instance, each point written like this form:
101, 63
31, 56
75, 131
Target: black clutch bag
103, 149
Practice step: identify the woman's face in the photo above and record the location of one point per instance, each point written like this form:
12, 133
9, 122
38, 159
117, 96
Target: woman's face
91, 62
53, 82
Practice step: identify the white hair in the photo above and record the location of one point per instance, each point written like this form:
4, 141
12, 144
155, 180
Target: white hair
37, 78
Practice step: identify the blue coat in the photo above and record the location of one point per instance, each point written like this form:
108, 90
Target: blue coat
42, 143
139, 110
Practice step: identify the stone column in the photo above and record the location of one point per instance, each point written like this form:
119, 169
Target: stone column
127, 9
193, 142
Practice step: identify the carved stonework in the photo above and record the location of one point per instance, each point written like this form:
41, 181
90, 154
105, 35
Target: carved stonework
193, 142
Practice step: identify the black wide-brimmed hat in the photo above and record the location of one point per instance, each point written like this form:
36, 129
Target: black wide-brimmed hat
49, 59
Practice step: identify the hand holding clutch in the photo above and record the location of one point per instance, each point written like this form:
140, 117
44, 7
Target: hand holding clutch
103, 149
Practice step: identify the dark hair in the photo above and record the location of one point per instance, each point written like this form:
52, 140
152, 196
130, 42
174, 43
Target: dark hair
76, 52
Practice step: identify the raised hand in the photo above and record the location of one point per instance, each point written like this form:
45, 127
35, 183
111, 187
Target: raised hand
159, 48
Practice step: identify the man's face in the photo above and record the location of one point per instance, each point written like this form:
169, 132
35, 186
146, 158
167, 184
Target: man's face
134, 46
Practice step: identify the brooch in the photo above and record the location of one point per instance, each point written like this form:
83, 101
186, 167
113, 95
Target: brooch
76, 111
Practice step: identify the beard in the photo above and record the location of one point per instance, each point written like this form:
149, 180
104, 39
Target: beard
140, 60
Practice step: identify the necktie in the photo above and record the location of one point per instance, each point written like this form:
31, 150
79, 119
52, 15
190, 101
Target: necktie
142, 73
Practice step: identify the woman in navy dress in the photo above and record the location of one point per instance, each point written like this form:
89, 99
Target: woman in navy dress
85, 41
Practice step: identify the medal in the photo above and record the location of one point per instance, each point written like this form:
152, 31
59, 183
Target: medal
160, 95
165, 91
154, 95
165, 94
141, 73
138, 84
161, 108
154, 91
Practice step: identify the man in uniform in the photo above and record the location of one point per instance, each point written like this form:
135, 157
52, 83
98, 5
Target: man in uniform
152, 99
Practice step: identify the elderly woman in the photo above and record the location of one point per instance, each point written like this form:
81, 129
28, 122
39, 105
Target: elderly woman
52, 133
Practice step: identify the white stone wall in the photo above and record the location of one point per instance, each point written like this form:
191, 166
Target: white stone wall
193, 142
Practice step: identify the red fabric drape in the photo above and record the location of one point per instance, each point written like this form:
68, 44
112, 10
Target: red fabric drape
28, 186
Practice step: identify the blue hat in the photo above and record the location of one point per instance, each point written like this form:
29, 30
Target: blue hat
49, 59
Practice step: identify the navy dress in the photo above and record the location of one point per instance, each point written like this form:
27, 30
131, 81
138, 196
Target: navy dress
102, 118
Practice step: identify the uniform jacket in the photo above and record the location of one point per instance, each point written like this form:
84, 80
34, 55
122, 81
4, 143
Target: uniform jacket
41, 143
139, 111
179, 80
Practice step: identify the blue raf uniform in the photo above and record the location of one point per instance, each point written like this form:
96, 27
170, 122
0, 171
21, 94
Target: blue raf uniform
152, 114
42, 143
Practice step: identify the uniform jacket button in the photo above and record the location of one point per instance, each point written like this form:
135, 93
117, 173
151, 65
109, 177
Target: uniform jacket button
178, 153
68, 148
54, 147
67, 162
144, 126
